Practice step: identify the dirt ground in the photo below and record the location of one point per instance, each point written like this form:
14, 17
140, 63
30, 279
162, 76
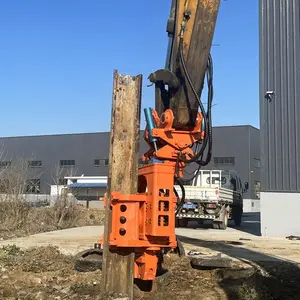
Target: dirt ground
45, 273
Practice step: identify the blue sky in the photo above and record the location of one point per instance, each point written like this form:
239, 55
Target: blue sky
57, 59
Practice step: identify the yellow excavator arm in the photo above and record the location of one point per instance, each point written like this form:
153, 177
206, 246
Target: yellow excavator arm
190, 28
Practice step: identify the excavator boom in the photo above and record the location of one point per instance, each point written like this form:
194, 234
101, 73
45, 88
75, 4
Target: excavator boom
190, 29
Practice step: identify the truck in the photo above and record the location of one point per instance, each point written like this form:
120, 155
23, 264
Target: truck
215, 195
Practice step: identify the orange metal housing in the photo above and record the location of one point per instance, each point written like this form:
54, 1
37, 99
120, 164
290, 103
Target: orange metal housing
145, 222
173, 143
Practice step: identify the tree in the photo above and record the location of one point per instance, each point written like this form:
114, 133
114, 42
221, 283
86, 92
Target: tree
14, 208
64, 208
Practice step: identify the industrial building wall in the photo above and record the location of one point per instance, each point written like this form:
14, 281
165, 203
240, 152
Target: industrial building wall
280, 74
280, 111
231, 150
83, 149
234, 148
254, 163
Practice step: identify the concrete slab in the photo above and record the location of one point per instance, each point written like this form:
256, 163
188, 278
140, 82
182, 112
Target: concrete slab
69, 241
251, 205
280, 217
242, 244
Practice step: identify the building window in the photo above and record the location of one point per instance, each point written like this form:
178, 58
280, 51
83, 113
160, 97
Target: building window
33, 186
257, 163
62, 181
101, 162
67, 163
5, 163
228, 161
34, 163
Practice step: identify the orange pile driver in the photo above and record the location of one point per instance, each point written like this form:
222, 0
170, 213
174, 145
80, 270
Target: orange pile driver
178, 132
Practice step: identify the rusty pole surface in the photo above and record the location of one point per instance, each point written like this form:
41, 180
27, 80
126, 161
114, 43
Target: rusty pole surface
117, 273
197, 42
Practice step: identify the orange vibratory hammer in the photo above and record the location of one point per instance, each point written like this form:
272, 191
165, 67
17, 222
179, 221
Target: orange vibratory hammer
145, 222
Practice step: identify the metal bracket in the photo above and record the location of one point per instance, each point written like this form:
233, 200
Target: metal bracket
223, 211
171, 27
161, 78
269, 95
166, 77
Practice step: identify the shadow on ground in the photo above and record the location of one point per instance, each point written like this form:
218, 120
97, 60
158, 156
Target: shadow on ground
274, 278
250, 224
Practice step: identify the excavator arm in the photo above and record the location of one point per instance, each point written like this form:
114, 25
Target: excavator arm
178, 86
190, 29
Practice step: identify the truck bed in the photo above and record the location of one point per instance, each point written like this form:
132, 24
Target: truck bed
207, 194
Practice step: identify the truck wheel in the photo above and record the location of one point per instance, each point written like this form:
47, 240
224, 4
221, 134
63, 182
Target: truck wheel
223, 224
183, 222
237, 214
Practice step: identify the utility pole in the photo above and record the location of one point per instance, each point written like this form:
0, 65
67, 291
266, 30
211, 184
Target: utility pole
118, 266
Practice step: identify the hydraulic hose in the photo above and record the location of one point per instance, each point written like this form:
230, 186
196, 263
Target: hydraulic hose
180, 204
209, 107
197, 156
206, 115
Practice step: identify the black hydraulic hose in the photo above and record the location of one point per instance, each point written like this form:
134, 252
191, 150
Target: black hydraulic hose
200, 162
180, 183
197, 156
176, 194
207, 116
187, 181
209, 108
